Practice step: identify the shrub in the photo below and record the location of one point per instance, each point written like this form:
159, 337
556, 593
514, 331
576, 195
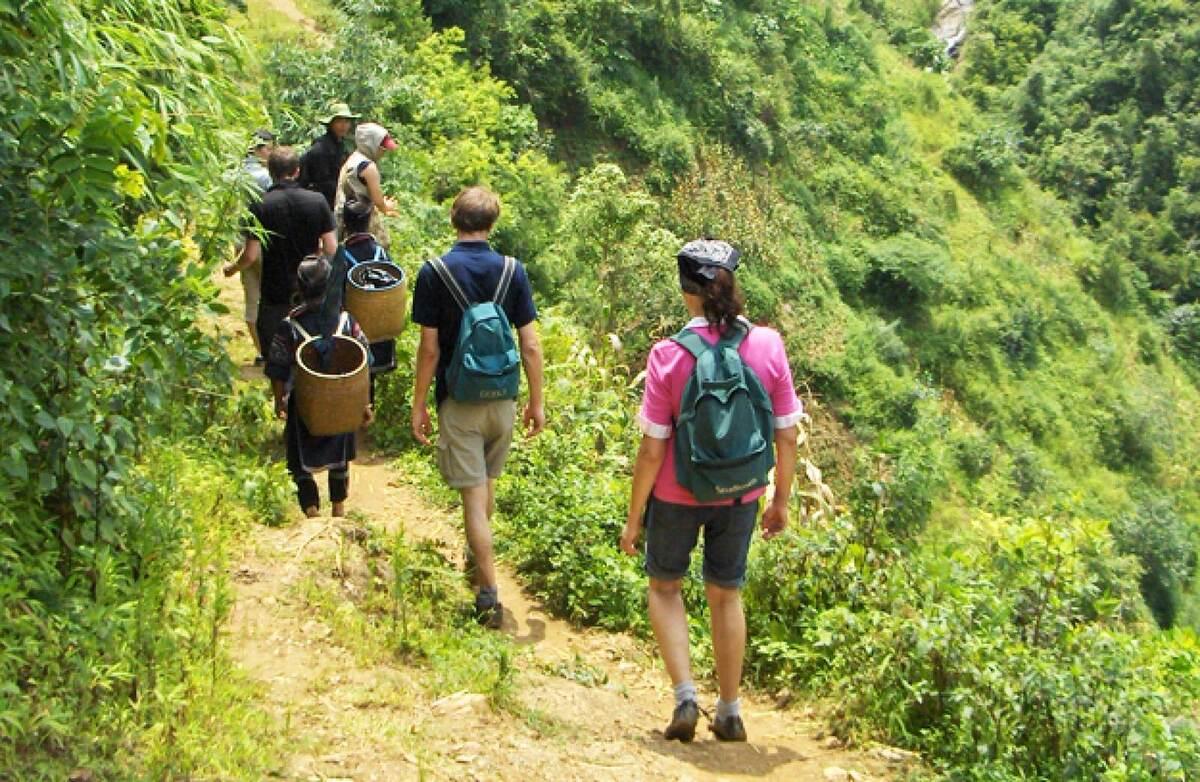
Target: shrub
1165, 545
972, 654
907, 274
986, 161
1183, 324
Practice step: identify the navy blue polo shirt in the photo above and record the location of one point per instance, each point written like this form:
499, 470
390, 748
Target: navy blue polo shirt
477, 269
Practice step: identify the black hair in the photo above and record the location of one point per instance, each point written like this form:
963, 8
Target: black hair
313, 276
723, 302
356, 216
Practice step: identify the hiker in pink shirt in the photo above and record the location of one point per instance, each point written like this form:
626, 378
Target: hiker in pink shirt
720, 443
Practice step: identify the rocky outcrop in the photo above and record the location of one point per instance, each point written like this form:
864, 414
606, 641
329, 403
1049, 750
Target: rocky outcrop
950, 26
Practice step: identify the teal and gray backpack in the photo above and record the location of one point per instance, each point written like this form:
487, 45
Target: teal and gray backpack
724, 436
485, 365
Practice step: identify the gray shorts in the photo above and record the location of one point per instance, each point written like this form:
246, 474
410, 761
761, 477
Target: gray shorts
672, 531
473, 440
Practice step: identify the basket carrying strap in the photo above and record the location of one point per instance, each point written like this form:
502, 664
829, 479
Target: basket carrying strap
343, 323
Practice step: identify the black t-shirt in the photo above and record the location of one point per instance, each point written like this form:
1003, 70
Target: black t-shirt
477, 269
294, 220
321, 164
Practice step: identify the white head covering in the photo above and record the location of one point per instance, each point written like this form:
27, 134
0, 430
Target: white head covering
368, 137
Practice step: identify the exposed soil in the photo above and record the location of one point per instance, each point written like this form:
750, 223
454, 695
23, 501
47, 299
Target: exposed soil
293, 13
353, 721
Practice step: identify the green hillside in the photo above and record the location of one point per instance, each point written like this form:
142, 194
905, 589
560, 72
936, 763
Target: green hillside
985, 272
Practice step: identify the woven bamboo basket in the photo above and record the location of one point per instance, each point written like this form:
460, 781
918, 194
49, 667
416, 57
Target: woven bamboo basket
381, 312
332, 402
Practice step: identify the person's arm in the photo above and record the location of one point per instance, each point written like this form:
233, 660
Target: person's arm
534, 418
329, 243
428, 353
650, 457
370, 177
775, 517
250, 252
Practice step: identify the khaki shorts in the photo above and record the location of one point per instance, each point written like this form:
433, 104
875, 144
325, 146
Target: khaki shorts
473, 440
252, 289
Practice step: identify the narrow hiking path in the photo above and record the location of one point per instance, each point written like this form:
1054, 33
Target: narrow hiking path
292, 12
586, 704
591, 704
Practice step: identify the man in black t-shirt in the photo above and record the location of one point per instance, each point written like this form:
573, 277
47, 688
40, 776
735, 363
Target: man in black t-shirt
295, 223
474, 436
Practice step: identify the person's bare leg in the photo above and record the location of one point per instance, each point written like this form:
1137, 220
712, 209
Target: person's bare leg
476, 520
729, 637
253, 329
729, 646
668, 617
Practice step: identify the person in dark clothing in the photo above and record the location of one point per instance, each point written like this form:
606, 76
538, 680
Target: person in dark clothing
294, 224
322, 162
360, 246
307, 453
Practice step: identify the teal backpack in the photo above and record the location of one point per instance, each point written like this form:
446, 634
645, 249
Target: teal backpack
724, 436
485, 365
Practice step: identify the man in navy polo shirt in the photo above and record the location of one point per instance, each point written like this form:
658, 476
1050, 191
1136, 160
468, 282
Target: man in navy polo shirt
475, 436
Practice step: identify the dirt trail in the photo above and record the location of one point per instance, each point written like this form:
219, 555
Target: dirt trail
349, 721
289, 9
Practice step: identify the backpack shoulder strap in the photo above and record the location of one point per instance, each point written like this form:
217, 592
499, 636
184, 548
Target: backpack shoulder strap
343, 325
691, 342
510, 268
380, 253
736, 335
451, 284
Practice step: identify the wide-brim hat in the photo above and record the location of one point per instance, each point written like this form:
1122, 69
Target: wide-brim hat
338, 110
702, 257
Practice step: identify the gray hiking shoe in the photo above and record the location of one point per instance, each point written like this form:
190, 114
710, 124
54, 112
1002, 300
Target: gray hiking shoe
683, 722
728, 728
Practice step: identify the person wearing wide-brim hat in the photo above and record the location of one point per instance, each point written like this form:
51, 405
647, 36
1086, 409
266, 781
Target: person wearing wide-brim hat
319, 166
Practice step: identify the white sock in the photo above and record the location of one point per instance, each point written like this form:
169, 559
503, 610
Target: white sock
685, 691
731, 709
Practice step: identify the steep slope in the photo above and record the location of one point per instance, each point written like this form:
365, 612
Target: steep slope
999, 477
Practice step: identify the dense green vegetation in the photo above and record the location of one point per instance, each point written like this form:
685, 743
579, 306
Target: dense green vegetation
985, 275
1099, 99
114, 519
